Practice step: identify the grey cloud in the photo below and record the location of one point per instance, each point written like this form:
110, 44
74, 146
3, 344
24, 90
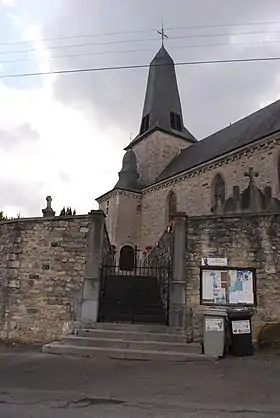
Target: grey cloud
10, 139
212, 95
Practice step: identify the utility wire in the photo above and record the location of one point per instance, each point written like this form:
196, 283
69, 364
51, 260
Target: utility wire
191, 27
129, 67
211, 35
126, 51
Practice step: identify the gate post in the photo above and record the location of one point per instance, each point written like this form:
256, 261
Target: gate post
177, 294
91, 283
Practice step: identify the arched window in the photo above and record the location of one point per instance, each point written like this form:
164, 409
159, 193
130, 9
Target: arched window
171, 205
219, 189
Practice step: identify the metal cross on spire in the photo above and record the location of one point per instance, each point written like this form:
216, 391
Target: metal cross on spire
162, 34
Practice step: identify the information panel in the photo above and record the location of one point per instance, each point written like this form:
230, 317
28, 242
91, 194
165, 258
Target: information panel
227, 286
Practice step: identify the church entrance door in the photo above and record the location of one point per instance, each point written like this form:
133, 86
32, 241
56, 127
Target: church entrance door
127, 258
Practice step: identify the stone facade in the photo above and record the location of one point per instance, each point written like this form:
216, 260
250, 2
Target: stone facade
246, 241
42, 266
123, 217
154, 153
194, 189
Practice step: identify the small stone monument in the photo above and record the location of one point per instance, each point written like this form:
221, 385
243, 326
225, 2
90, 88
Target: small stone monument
48, 212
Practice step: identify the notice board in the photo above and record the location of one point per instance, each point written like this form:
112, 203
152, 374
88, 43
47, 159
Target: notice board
228, 286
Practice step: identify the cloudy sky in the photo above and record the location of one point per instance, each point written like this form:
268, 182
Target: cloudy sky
63, 135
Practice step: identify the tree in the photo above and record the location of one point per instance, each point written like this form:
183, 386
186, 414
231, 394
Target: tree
2, 216
67, 212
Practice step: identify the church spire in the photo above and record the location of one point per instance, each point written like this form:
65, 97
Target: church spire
162, 107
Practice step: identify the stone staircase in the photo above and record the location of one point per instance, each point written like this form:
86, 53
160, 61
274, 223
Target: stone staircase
126, 341
131, 298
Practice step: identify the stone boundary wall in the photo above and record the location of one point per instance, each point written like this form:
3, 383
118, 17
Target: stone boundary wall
42, 264
162, 253
246, 241
107, 250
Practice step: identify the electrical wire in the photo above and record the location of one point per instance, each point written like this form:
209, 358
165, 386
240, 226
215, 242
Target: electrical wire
140, 50
56, 47
129, 67
191, 27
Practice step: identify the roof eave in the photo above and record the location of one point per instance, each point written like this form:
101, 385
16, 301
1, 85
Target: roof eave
179, 173
116, 190
139, 138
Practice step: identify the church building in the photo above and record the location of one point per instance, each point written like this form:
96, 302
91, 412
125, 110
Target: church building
189, 225
167, 170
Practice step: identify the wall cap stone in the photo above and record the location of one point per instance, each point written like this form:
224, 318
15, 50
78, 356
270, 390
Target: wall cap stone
40, 220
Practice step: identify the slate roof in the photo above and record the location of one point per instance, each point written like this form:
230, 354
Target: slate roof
128, 176
258, 125
162, 97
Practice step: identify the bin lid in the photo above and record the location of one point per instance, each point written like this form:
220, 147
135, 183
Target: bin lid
215, 311
240, 313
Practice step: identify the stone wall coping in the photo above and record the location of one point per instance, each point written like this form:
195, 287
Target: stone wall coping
41, 219
231, 216
179, 215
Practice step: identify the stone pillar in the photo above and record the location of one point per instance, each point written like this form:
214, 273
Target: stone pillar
91, 283
177, 295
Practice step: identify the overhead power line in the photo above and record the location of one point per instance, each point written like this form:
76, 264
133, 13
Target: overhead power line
129, 67
211, 35
147, 30
129, 51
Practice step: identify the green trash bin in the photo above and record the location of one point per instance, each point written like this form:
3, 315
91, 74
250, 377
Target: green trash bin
214, 335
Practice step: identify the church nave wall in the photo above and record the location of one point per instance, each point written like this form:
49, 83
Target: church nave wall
194, 192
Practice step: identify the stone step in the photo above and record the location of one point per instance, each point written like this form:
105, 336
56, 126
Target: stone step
131, 335
131, 345
161, 329
114, 353
135, 319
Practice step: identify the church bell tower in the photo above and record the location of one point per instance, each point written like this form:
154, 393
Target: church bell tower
162, 132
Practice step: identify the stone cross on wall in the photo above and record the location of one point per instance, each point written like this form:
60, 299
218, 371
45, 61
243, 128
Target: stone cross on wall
251, 174
49, 202
48, 212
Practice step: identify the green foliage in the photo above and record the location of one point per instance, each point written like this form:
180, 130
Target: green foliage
67, 212
3, 217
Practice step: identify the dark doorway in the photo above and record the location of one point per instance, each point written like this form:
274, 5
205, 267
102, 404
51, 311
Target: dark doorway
127, 258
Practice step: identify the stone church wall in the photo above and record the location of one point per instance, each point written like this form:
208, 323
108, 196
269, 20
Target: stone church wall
154, 153
194, 190
247, 241
42, 265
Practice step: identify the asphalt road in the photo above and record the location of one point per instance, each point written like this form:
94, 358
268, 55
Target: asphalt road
44, 386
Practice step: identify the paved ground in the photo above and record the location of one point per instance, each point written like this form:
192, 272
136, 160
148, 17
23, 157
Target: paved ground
37, 385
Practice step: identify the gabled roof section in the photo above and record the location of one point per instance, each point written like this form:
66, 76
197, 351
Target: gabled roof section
254, 127
162, 107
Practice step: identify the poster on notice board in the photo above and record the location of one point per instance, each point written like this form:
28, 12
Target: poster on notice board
227, 286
